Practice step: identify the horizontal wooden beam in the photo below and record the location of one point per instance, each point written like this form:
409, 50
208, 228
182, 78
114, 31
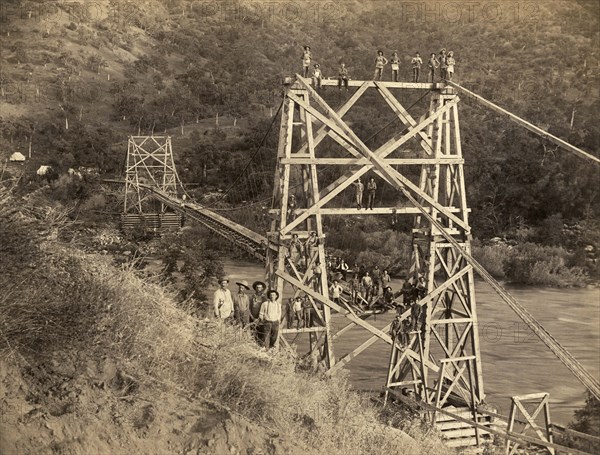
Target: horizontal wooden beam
371, 84
374, 211
303, 330
452, 321
458, 359
531, 396
366, 162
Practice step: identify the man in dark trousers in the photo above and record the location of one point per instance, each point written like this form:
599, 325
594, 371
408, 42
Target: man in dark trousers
371, 188
241, 304
270, 315
255, 304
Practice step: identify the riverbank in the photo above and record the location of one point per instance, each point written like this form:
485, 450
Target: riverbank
514, 360
537, 265
537, 258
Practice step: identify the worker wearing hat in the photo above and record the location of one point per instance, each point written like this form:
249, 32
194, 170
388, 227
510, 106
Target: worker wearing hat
256, 302
223, 302
306, 59
241, 304
443, 63
270, 315
317, 76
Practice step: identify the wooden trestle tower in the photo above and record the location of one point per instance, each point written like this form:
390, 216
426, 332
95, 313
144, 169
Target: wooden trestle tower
149, 164
441, 361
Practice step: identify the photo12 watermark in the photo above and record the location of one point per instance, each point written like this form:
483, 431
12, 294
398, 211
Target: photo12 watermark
469, 12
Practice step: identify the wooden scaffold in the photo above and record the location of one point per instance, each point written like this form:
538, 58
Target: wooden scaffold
149, 164
449, 306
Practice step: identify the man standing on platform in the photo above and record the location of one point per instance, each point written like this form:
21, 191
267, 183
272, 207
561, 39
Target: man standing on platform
416, 66
306, 59
376, 274
241, 304
443, 64
380, 62
270, 315
433, 64
223, 303
298, 312
371, 188
367, 284
360, 189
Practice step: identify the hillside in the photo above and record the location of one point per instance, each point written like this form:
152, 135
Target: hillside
78, 78
96, 359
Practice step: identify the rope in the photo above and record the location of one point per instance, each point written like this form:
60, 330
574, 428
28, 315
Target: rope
243, 172
525, 124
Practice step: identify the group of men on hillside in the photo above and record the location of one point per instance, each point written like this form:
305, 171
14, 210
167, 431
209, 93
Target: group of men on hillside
261, 311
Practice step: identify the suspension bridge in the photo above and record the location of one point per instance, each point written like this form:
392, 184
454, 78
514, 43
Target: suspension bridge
319, 157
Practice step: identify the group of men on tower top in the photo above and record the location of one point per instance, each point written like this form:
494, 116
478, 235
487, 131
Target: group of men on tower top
444, 61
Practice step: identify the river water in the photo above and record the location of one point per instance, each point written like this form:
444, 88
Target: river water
515, 361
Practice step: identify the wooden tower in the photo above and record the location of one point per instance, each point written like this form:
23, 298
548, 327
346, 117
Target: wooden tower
445, 334
149, 166
423, 160
296, 175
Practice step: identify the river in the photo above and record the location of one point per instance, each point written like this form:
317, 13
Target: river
515, 361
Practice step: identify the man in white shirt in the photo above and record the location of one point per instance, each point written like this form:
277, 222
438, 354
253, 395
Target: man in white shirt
336, 291
223, 301
416, 63
270, 315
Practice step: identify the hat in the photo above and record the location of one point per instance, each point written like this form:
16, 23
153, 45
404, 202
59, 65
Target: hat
443, 50
243, 283
306, 46
256, 283
317, 65
271, 291
387, 287
224, 279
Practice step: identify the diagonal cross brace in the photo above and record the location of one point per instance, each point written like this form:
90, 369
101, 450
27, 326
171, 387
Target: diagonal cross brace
384, 169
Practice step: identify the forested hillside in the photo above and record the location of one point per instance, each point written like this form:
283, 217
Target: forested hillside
77, 78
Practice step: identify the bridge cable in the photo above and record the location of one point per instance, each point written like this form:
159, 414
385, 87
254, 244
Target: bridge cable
243, 172
525, 124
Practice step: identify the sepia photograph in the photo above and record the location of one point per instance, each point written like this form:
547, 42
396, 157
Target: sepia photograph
280, 227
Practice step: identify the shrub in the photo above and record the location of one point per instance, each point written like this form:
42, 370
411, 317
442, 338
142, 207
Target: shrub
529, 263
492, 258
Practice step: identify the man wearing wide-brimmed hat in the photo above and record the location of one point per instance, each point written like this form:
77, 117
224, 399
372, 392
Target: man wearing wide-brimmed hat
270, 315
222, 300
306, 59
256, 302
241, 304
